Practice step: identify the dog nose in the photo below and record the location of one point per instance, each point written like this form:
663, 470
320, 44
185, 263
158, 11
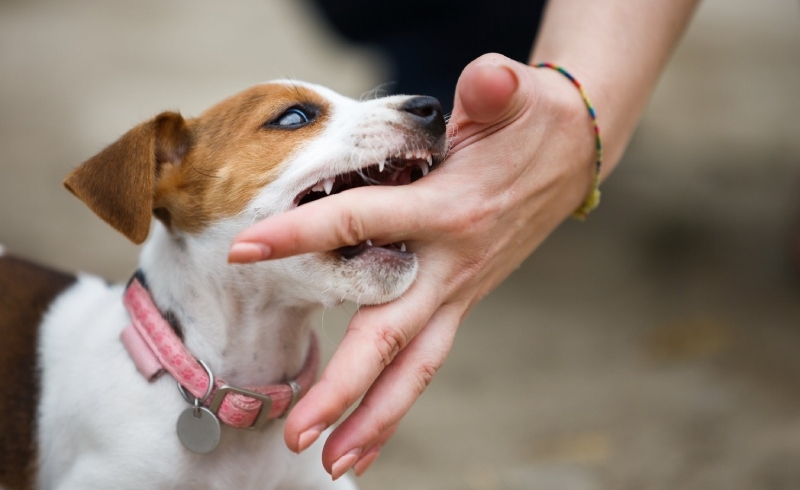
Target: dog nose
427, 111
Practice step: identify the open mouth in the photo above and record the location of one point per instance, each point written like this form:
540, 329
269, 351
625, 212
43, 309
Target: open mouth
395, 170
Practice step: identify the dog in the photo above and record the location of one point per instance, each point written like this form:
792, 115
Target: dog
88, 370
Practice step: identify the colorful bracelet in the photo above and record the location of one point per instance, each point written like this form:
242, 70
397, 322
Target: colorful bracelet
593, 199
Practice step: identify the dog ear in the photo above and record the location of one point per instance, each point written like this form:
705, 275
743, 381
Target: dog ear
119, 182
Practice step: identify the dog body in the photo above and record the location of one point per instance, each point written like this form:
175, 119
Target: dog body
98, 422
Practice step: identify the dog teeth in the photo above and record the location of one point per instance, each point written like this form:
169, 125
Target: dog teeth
369, 242
418, 157
403, 247
327, 184
420, 154
324, 185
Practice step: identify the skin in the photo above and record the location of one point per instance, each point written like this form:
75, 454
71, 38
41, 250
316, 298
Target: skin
521, 162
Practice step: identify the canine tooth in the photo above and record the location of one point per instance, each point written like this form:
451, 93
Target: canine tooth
380, 166
403, 247
429, 160
328, 185
423, 168
369, 242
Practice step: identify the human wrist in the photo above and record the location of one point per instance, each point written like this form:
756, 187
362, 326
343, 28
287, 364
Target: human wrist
615, 127
618, 67
592, 199
568, 114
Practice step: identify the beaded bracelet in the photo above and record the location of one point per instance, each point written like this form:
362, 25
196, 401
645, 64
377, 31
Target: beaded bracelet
593, 199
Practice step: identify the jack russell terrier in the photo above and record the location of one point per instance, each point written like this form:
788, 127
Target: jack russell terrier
88, 370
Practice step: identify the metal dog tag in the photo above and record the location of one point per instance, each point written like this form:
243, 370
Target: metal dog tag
198, 429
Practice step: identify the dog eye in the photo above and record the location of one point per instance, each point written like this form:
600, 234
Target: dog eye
293, 117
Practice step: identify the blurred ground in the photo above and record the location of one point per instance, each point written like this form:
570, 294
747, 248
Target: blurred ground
653, 347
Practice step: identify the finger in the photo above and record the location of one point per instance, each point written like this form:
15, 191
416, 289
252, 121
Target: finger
485, 88
394, 392
375, 335
349, 218
370, 455
488, 94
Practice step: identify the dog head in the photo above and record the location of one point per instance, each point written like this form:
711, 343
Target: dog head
264, 151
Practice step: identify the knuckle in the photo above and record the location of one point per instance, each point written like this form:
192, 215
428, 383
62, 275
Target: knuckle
351, 228
381, 421
423, 375
294, 239
389, 343
467, 219
342, 399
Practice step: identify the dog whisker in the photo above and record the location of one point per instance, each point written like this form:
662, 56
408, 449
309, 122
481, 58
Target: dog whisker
322, 328
375, 93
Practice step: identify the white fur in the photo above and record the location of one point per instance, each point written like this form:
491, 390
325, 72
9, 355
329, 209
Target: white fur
102, 426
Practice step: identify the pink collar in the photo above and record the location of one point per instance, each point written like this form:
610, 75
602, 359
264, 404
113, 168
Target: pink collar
155, 347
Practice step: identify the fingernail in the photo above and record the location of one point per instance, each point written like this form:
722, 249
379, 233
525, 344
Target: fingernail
365, 461
246, 252
308, 437
344, 463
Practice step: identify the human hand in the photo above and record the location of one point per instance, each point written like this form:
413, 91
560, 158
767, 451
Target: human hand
522, 150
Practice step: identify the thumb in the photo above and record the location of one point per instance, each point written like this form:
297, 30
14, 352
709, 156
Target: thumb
488, 91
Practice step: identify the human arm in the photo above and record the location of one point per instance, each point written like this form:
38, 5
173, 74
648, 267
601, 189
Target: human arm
521, 163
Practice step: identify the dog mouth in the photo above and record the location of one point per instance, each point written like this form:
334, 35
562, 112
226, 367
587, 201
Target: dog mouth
402, 169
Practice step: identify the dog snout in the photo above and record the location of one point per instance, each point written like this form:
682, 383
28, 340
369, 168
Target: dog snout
426, 112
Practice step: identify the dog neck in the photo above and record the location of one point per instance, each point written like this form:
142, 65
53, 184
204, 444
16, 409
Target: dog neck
235, 318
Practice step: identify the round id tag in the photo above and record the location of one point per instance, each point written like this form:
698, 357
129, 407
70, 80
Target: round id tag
198, 429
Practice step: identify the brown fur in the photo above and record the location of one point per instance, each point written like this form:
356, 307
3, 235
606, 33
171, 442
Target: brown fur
26, 292
191, 173
117, 183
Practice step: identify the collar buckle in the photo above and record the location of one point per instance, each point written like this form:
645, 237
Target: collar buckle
263, 414
295, 396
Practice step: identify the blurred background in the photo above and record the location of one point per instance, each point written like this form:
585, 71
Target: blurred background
656, 346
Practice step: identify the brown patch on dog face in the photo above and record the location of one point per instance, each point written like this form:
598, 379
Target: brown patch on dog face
26, 292
189, 173
236, 151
